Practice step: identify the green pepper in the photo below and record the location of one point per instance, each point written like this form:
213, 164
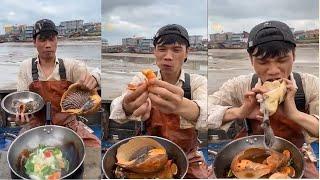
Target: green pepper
29, 166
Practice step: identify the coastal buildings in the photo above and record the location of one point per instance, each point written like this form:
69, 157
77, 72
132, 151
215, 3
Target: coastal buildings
66, 29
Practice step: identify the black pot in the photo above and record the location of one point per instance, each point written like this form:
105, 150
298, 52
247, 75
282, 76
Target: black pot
174, 152
224, 158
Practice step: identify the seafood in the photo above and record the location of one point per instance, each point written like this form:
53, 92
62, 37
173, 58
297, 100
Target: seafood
258, 162
148, 73
274, 96
143, 157
79, 100
24, 107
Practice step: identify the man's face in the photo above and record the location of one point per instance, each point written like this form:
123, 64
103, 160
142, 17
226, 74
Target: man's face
270, 69
46, 46
170, 57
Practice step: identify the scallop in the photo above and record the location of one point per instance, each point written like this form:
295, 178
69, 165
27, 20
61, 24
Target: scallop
80, 100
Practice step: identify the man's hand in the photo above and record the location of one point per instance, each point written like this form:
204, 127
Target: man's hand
137, 103
166, 97
88, 81
288, 107
250, 108
20, 118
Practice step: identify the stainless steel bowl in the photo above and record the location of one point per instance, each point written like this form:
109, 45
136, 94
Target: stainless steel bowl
9, 102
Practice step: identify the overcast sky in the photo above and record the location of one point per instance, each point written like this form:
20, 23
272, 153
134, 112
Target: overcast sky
28, 11
242, 15
128, 18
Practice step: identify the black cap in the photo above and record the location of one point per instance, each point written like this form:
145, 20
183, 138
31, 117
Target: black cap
44, 25
284, 33
171, 29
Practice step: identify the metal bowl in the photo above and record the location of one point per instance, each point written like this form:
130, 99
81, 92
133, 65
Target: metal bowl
9, 102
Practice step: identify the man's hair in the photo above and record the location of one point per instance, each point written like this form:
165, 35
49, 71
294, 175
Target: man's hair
45, 35
171, 39
270, 49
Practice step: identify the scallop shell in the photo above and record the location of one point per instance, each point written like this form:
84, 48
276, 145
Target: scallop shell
142, 155
79, 100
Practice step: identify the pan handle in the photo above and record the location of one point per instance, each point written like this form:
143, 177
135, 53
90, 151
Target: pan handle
212, 152
48, 113
10, 135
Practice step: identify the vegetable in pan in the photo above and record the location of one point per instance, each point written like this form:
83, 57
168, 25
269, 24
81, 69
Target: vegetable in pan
46, 163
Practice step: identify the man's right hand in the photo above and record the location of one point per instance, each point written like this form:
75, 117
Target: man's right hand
137, 103
250, 107
20, 118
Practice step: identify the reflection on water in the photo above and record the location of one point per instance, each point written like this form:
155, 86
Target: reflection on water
12, 54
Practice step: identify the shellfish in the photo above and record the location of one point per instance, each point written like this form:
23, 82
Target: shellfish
24, 107
148, 73
257, 162
275, 95
142, 155
80, 100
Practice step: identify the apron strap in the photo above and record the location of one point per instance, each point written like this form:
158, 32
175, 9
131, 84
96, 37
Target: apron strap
62, 70
35, 75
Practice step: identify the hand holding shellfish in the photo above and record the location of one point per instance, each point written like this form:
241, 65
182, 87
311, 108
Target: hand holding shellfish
88, 81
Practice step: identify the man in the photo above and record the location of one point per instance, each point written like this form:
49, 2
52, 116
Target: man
169, 109
50, 77
271, 49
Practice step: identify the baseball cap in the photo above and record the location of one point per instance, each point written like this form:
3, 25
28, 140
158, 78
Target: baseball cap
282, 32
44, 25
171, 29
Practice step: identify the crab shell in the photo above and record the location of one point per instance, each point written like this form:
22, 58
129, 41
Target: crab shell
242, 165
77, 88
142, 155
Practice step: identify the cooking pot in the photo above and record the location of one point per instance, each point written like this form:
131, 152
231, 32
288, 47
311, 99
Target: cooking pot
225, 156
174, 152
67, 140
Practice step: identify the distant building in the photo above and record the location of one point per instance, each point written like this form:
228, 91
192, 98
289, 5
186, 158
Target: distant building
145, 45
8, 29
70, 27
28, 33
195, 40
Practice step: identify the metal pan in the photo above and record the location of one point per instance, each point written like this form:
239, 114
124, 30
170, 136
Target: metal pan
224, 158
173, 150
67, 140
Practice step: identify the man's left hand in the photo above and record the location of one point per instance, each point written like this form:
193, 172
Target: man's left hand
165, 96
88, 81
288, 107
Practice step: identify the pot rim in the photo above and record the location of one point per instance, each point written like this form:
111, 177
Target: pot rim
46, 126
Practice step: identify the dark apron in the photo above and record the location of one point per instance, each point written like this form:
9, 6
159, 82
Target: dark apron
168, 126
52, 91
287, 129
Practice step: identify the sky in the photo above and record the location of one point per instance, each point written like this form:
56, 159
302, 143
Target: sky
27, 12
142, 18
238, 16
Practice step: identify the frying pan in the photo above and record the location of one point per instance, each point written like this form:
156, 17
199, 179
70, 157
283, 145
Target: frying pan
173, 150
68, 141
225, 156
